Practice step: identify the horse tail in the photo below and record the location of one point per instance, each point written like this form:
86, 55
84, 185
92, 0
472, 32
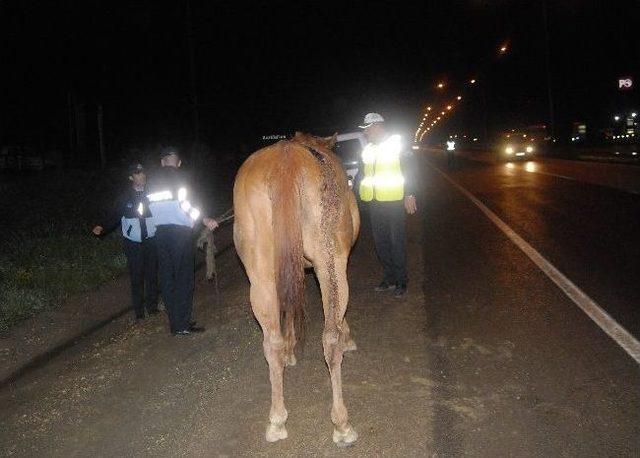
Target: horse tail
285, 189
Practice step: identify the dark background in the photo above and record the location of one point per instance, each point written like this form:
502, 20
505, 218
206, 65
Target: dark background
265, 68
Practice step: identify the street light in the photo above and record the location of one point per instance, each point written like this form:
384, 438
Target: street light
440, 85
473, 81
616, 118
448, 107
503, 49
634, 114
459, 97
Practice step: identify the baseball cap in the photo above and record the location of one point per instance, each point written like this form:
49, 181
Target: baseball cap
136, 167
370, 119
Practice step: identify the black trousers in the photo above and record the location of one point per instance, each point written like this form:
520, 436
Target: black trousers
388, 227
451, 158
176, 266
143, 273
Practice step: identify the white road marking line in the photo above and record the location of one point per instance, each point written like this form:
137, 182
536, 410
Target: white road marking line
587, 182
554, 175
622, 337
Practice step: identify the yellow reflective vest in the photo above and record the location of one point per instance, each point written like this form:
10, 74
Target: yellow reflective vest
383, 180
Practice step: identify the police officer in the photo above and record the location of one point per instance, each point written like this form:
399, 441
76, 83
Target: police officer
387, 186
131, 212
176, 211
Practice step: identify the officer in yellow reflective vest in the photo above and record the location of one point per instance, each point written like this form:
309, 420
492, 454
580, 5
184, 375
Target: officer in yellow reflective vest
387, 186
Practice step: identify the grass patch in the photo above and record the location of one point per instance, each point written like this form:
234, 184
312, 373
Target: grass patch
48, 252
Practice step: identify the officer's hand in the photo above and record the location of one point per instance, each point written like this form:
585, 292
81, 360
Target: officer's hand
98, 230
410, 204
210, 223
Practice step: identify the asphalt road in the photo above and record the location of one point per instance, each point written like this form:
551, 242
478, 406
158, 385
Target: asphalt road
485, 357
574, 391
583, 217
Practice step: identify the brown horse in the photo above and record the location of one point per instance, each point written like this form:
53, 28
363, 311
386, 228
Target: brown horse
294, 209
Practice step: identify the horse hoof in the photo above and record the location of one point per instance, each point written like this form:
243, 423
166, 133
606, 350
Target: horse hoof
346, 438
290, 360
350, 345
276, 433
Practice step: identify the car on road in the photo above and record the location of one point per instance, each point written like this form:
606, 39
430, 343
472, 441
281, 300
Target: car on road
348, 147
515, 146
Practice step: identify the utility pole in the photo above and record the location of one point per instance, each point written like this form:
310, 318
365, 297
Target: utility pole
100, 116
192, 78
548, 68
485, 114
72, 126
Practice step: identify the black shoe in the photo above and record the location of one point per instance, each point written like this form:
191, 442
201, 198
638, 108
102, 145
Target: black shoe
184, 332
384, 286
400, 291
194, 328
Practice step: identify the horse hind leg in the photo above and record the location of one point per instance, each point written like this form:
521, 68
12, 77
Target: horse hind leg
289, 343
348, 344
264, 305
335, 295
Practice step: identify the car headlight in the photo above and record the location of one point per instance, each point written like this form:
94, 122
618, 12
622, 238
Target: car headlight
529, 149
509, 150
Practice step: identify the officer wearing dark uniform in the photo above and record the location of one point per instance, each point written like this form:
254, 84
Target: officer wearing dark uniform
176, 211
131, 212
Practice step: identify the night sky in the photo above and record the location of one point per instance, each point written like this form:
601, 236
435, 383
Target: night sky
274, 67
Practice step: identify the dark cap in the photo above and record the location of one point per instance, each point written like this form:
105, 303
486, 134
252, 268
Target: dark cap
168, 151
136, 167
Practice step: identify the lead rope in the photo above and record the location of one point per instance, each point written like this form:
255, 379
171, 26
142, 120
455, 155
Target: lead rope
206, 238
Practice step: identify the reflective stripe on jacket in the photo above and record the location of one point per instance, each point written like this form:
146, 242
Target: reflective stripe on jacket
169, 200
131, 224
